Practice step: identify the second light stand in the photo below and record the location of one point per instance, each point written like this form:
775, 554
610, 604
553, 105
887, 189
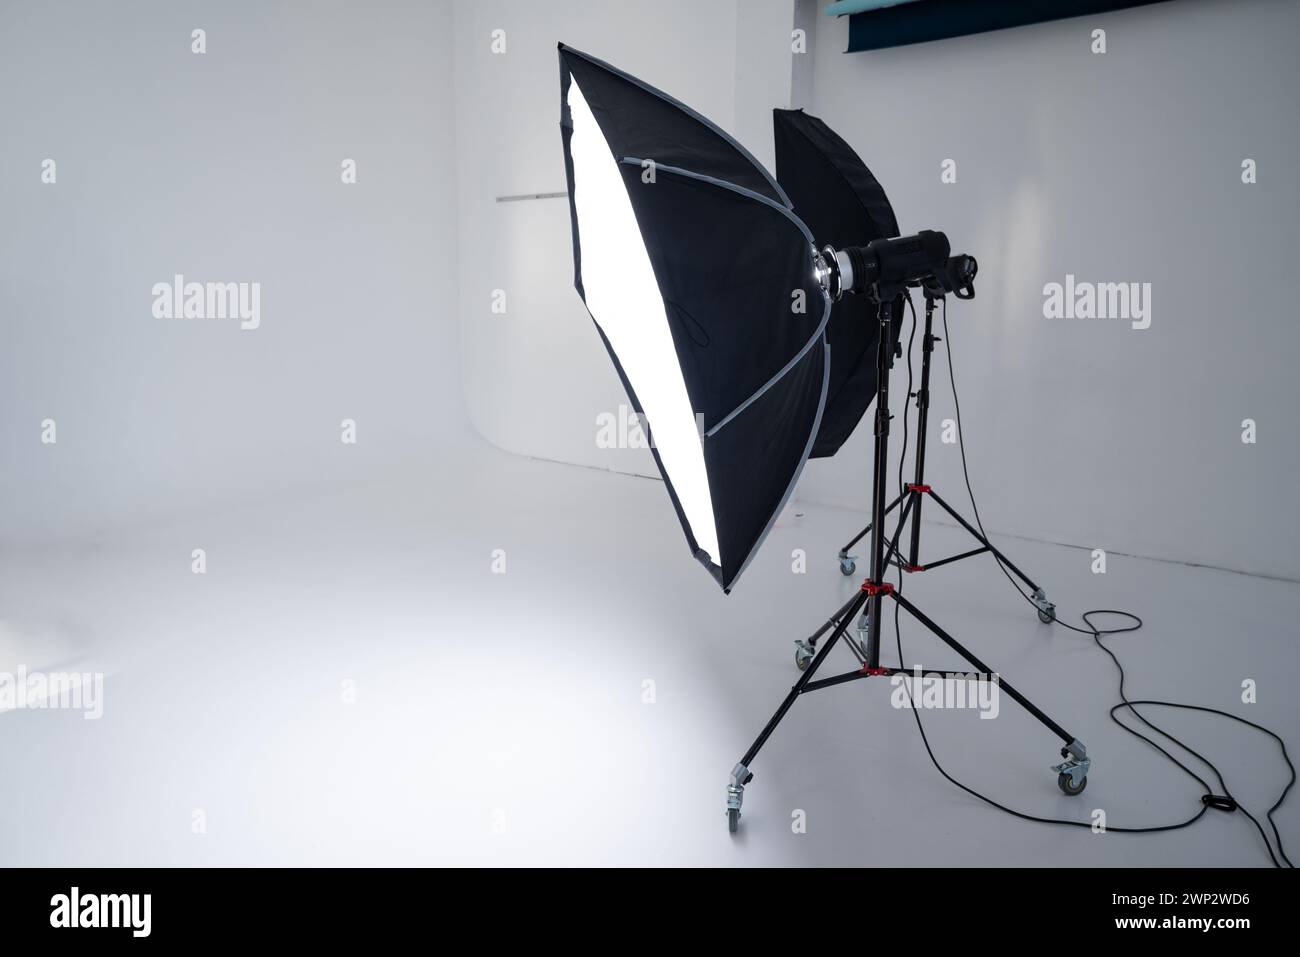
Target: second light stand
1072, 773
912, 497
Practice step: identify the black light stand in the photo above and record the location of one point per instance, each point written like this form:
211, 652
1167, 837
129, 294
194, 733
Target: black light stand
881, 270
914, 493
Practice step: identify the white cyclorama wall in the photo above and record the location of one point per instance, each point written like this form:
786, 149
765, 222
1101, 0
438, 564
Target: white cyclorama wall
1115, 167
222, 166
536, 376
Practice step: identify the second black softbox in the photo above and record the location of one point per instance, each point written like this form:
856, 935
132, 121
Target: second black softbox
834, 193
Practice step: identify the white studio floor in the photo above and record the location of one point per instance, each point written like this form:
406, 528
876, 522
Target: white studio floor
499, 718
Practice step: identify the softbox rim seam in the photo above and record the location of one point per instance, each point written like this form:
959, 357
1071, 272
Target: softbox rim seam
698, 117
714, 568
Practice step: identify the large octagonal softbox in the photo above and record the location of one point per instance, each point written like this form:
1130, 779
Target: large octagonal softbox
834, 193
701, 282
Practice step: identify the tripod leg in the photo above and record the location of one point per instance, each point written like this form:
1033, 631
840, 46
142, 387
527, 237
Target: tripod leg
1046, 610
979, 537
847, 565
1076, 755
740, 774
806, 648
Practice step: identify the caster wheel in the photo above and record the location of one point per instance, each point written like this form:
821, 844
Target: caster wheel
733, 819
1066, 784
1048, 616
848, 566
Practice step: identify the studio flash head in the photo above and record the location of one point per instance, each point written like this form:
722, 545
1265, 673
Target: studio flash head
883, 267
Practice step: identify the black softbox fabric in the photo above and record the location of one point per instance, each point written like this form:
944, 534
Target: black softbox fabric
834, 193
733, 267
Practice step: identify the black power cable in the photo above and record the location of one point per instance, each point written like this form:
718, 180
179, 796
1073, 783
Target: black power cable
1208, 799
